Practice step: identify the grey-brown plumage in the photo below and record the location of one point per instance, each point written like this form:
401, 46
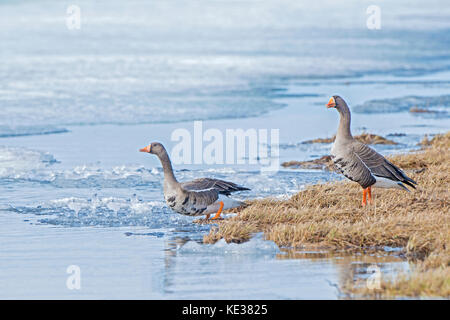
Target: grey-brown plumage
197, 197
222, 187
359, 162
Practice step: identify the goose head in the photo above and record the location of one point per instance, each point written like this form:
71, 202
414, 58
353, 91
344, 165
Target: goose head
338, 103
154, 148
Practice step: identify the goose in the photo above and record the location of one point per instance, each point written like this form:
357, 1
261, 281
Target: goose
360, 163
198, 197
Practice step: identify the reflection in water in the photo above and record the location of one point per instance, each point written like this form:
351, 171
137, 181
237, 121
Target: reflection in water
221, 270
170, 251
354, 265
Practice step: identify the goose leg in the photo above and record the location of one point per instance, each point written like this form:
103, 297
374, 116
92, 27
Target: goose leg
207, 216
369, 193
364, 201
218, 211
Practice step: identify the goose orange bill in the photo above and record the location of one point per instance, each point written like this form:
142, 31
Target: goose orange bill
146, 149
331, 103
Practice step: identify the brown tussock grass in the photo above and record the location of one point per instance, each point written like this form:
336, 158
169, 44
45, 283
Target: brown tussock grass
420, 283
367, 138
420, 110
323, 163
330, 215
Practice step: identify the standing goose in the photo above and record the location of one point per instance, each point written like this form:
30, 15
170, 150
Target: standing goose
360, 163
197, 197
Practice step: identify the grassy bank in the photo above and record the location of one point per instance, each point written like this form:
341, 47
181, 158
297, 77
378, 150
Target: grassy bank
331, 216
366, 138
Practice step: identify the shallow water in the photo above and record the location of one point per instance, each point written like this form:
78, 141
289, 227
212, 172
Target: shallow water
131, 262
75, 106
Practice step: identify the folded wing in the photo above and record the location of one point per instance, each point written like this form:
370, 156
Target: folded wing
379, 166
220, 186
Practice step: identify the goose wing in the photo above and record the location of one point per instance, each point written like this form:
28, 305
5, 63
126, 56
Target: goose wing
193, 202
221, 186
353, 168
201, 198
379, 166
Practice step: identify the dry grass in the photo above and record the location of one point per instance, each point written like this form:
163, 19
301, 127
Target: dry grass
420, 110
323, 163
366, 138
421, 283
331, 216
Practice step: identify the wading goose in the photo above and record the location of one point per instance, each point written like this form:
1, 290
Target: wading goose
197, 197
360, 163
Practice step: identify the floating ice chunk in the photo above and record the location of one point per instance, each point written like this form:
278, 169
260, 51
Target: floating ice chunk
107, 211
155, 171
255, 246
17, 163
137, 205
75, 206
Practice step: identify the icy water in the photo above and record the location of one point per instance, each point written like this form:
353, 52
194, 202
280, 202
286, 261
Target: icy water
76, 105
